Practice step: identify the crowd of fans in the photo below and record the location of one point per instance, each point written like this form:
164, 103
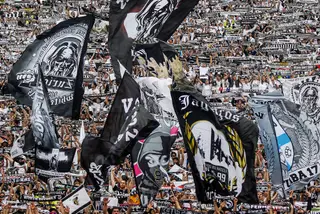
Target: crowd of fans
223, 49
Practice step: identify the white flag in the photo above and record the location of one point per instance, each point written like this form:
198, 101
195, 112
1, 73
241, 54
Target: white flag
82, 133
77, 200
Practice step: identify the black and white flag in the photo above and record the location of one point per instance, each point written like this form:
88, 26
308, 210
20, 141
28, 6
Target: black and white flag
22, 144
60, 51
44, 131
77, 200
53, 162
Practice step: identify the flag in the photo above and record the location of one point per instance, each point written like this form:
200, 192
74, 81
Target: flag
150, 159
181, 11
92, 161
82, 133
77, 200
138, 125
22, 144
156, 98
298, 138
297, 134
51, 162
60, 51
135, 20
249, 134
291, 87
215, 152
127, 96
267, 135
41, 121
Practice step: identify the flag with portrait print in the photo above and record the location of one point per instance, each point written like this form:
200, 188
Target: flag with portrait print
60, 52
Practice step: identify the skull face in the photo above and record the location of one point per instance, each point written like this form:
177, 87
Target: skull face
310, 97
149, 23
64, 64
63, 60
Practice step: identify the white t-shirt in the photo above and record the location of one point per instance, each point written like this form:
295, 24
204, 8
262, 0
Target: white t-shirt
203, 71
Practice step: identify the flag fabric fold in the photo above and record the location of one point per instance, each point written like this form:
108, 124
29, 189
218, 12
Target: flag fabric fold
42, 122
60, 52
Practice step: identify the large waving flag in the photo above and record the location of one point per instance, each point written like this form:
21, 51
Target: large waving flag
60, 51
215, 152
138, 20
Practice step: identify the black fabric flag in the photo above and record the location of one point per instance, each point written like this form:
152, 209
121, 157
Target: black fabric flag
181, 11
60, 52
53, 162
249, 134
128, 96
23, 144
215, 152
136, 20
150, 158
138, 125
44, 131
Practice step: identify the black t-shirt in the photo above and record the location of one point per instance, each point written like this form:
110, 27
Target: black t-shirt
121, 194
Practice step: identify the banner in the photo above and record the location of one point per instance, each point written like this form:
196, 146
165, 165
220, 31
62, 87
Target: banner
295, 89
215, 152
22, 144
300, 139
77, 200
50, 161
176, 211
60, 52
156, 98
138, 20
42, 199
267, 135
44, 131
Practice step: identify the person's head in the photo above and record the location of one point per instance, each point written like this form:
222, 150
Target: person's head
259, 176
77, 182
301, 211
122, 184
53, 211
115, 210
260, 196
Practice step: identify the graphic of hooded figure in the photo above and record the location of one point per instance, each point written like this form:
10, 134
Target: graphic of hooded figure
153, 162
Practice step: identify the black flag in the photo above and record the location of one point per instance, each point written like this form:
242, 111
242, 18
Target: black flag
128, 96
53, 162
176, 17
138, 125
150, 159
249, 134
60, 51
41, 121
136, 20
215, 152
